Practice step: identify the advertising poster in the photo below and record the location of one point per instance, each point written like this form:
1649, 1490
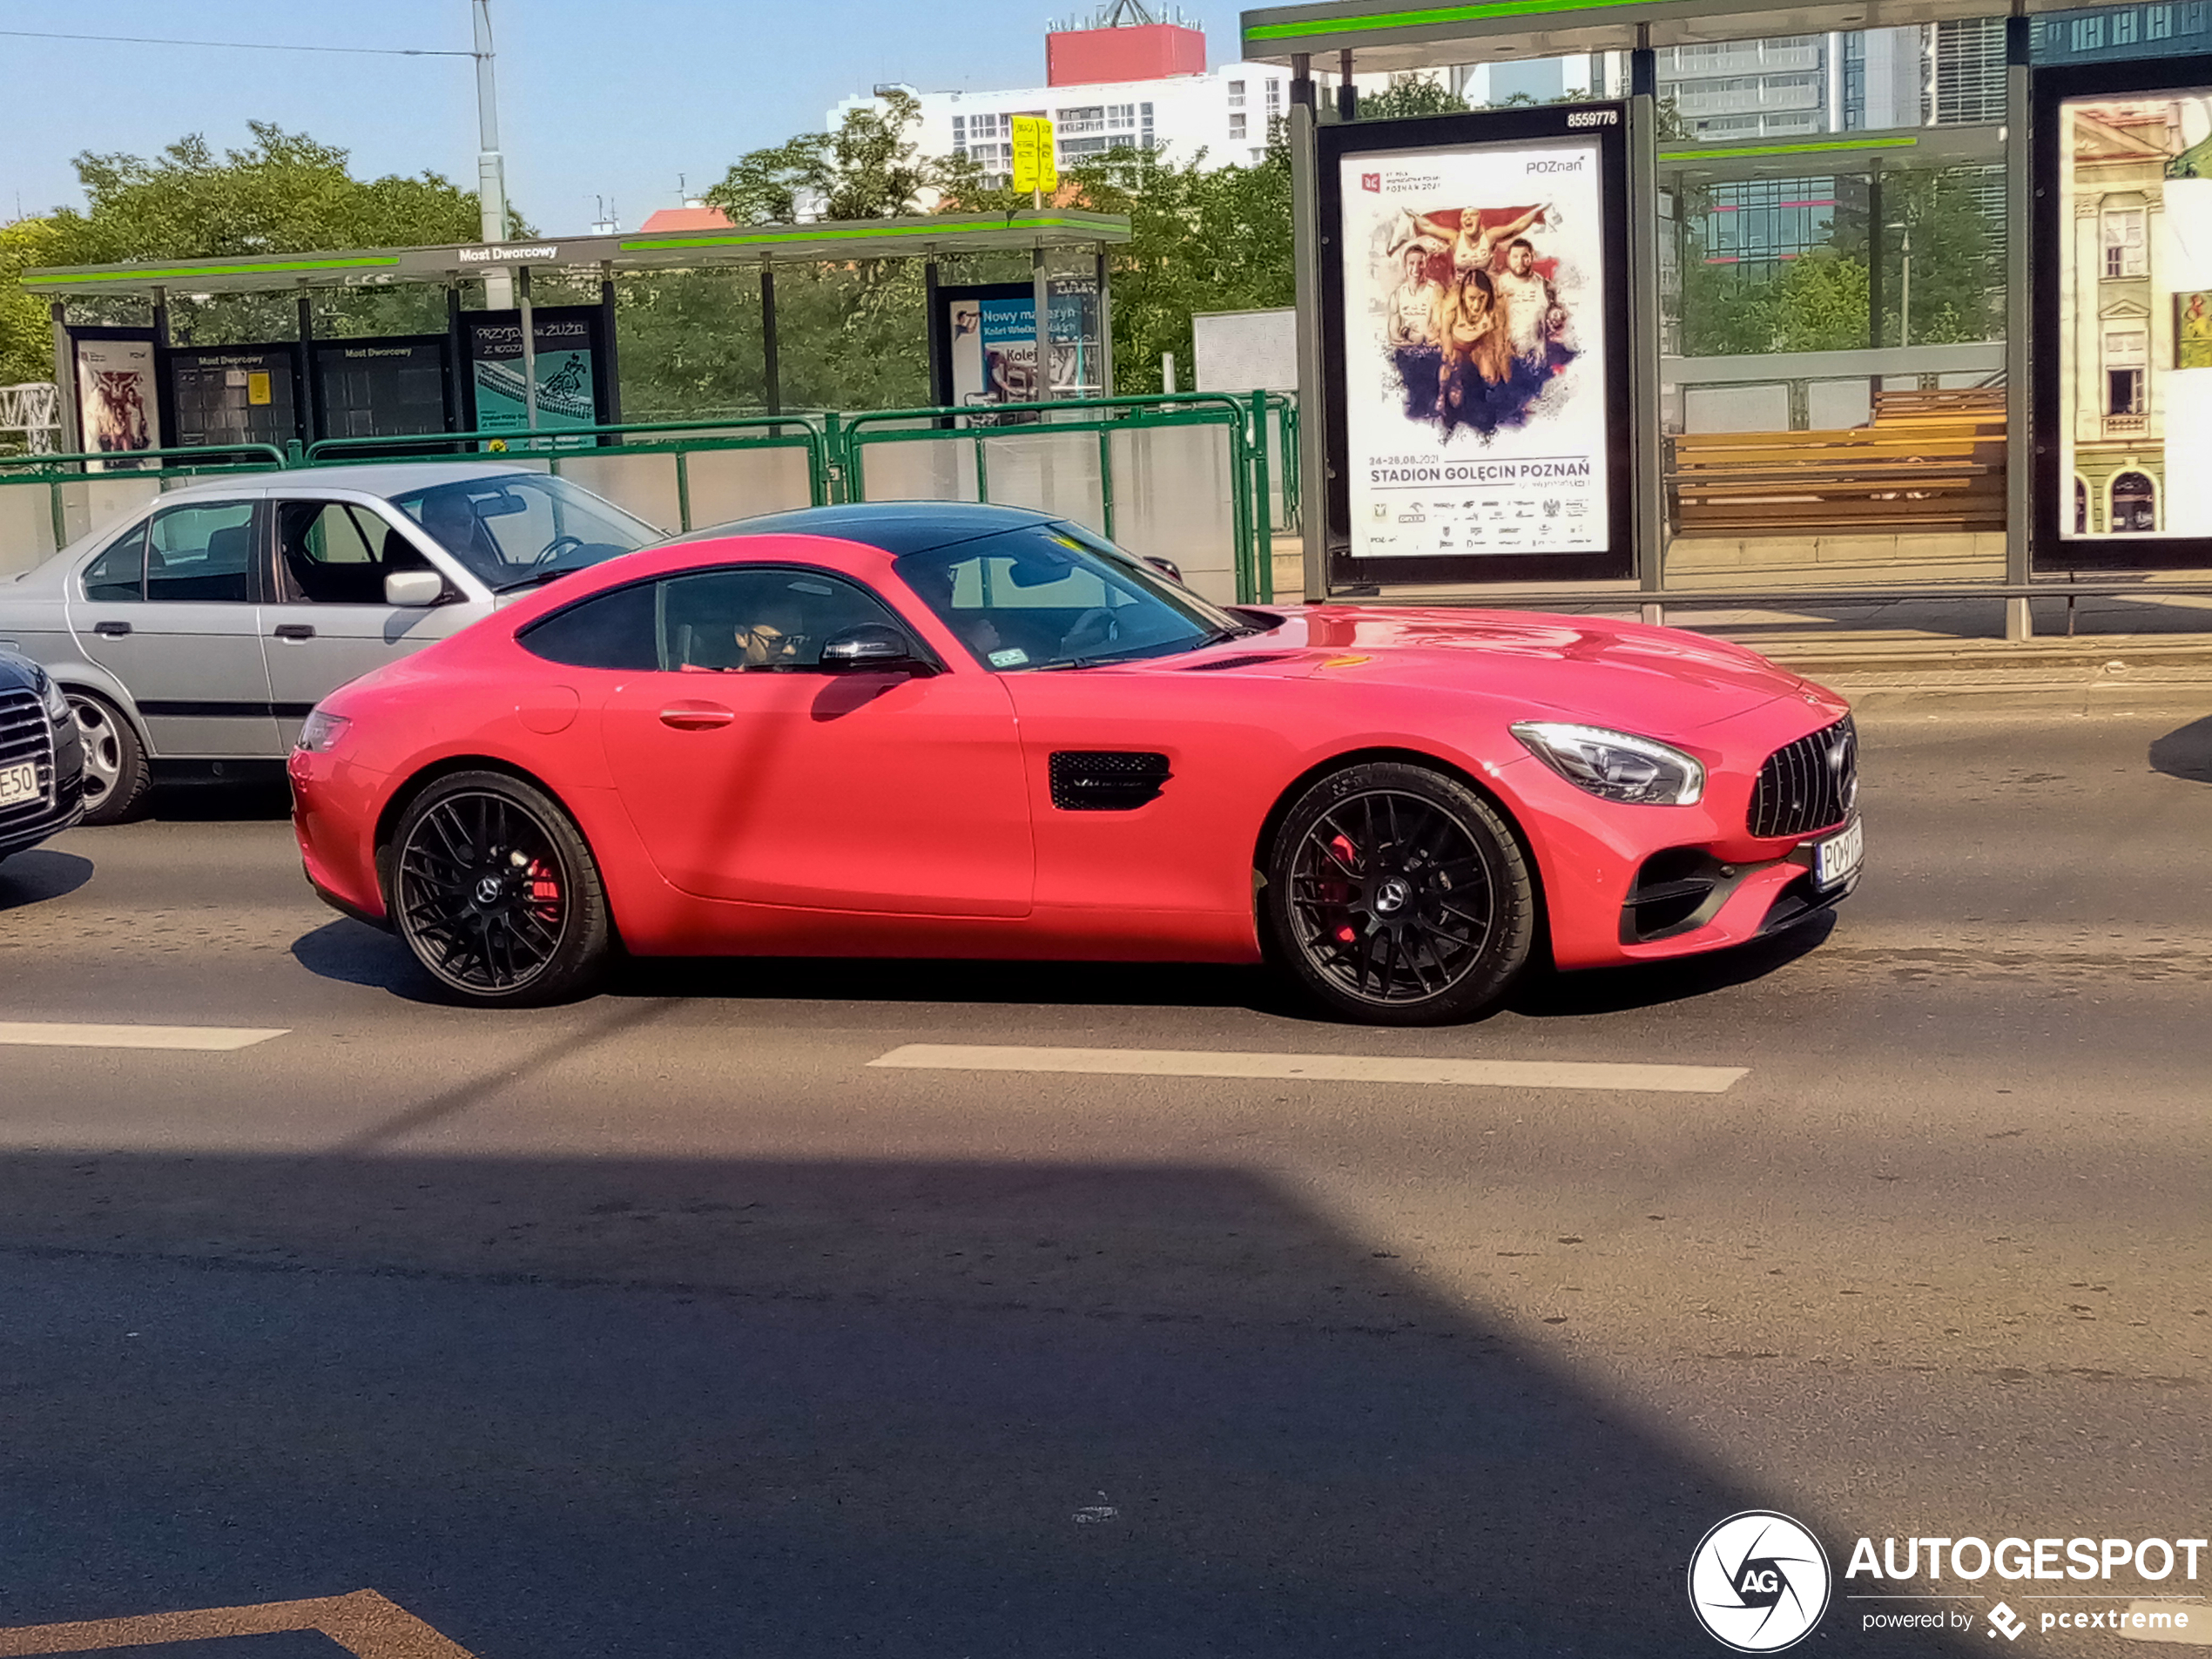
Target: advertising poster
990, 335
117, 407
2134, 335
566, 385
1475, 369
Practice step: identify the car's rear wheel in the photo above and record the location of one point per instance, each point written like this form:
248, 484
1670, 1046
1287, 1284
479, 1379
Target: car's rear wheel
496, 894
1398, 895
116, 773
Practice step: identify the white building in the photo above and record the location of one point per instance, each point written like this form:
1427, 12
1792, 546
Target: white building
1218, 116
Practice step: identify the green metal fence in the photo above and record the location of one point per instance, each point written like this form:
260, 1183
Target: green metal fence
49, 501
678, 475
1205, 479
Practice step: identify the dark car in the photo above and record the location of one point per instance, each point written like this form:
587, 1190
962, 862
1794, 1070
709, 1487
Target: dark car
42, 761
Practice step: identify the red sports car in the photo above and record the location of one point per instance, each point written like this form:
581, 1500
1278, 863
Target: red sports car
912, 729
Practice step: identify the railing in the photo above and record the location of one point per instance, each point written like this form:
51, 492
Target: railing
1206, 505
1147, 470
746, 467
49, 501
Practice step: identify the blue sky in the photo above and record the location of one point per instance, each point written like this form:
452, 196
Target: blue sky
613, 98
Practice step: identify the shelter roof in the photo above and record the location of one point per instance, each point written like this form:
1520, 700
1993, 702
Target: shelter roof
828, 241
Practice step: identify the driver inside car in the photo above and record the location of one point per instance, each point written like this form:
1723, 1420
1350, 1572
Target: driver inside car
450, 517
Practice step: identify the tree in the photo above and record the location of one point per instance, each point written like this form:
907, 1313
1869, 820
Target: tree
26, 335
866, 169
1415, 95
283, 194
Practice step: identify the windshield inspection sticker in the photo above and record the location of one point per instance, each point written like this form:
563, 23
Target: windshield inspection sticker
1011, 657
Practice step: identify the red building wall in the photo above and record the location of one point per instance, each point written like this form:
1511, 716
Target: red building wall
1147, 52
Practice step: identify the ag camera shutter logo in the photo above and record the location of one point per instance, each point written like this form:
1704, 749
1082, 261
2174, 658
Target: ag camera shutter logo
1758, 1581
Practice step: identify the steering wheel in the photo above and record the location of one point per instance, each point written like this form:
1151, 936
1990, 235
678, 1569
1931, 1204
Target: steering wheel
554, 548
1096, 627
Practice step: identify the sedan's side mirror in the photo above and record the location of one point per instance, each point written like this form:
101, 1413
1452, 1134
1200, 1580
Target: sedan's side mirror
872, 644
413, 590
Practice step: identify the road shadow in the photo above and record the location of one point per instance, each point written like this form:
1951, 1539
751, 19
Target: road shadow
571, 1407
263, 794
2185, 752
358, 955
1551, 994
39, 874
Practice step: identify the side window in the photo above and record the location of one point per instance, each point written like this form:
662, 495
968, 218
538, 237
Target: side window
119, 572
758, 618
339, 553
607, 631
200, 553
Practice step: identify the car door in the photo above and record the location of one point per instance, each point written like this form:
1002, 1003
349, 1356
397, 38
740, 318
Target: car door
167, 608
753, 773
325, 621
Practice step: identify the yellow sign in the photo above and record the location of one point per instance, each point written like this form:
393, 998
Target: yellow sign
1035, 166
257, 387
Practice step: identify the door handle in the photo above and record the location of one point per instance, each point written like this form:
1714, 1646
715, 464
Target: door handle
295, 631
695, 717
112, 629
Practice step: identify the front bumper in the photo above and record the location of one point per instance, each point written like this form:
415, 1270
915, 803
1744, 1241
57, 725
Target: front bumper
22, 829
335, 809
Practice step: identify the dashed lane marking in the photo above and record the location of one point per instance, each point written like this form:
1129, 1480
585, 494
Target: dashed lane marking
1315, 1068
210, 1039
363, 1623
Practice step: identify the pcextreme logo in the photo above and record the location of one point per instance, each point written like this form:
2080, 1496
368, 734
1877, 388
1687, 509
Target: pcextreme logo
1758, 1581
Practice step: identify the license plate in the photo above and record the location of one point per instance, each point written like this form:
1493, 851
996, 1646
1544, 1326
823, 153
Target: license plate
19, 783
1838, 858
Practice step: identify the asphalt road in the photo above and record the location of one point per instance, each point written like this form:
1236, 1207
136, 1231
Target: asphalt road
666, 1324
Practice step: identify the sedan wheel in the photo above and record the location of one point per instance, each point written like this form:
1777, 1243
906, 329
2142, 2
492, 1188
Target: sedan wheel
116, 775
496, 892
1398, 896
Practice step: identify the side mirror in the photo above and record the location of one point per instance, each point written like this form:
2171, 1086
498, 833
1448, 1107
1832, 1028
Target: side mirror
1167, 568
872, 644
415, 590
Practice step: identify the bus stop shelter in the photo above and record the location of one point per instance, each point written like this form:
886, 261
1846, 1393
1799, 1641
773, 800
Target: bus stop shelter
1041, 232
2021, 373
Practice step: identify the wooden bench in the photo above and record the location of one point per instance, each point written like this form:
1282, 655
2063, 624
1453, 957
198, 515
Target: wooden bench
1927, 462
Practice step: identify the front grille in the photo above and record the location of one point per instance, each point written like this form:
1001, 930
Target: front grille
1808, 786
26, 734
1106, 781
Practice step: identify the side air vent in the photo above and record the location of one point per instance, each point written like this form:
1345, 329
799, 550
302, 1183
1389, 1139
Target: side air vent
1106, 781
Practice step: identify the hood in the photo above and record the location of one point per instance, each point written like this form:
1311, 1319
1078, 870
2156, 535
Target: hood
1659, 681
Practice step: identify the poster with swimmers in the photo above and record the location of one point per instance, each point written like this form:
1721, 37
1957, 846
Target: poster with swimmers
1475, 288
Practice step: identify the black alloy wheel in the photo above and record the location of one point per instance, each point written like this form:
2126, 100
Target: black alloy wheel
496, 892
1397, 895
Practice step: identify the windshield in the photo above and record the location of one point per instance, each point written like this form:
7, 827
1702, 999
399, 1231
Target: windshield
523, 528
1054, 596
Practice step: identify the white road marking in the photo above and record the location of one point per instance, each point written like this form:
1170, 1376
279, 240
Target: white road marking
1314, 1067
210, 1039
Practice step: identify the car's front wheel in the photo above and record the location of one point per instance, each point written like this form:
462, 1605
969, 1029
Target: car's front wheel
1398, 895
116, 773
496, 894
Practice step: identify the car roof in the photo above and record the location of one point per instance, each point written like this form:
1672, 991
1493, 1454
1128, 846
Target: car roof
372, 478
894, 526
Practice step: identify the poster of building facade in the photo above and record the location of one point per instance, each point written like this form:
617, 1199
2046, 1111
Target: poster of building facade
1476, 370
117, 407
2135, 316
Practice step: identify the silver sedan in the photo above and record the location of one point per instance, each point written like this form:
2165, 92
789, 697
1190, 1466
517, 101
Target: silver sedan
205, 626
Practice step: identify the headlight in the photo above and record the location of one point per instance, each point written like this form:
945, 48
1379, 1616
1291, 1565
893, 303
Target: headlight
56, 699
319, 732
1614, 765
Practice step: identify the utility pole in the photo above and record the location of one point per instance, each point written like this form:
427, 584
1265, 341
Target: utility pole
491, 168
